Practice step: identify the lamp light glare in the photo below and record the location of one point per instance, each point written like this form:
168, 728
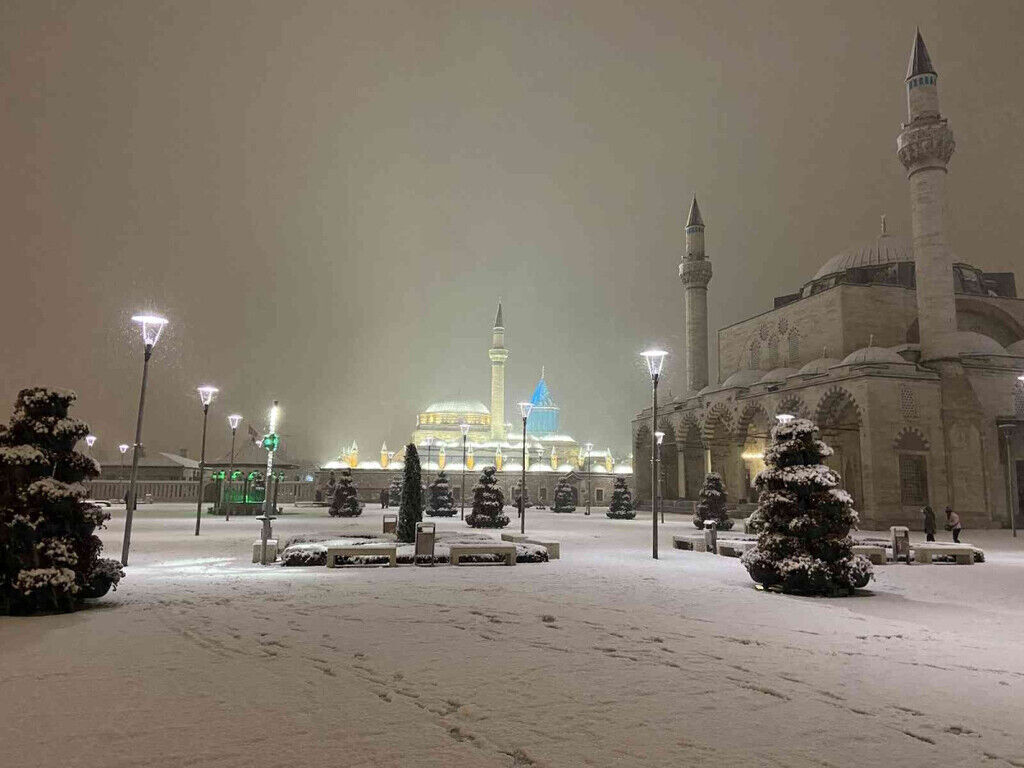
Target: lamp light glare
206, 393
123, 448
152, 326
588, 447
785, 418
464, 428
90, 440
525, 409
655, 359
275, 412
234, 420
659, 436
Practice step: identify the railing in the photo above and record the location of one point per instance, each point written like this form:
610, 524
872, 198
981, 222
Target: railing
288, 492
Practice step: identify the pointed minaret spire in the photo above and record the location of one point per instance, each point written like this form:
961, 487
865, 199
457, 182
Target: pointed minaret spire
498, 321
920, 61
498, 355
694, 219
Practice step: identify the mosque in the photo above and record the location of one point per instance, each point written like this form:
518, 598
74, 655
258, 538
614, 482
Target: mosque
907, 358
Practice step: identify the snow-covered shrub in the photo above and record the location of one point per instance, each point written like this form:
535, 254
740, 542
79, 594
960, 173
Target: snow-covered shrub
440, 499
346, 497
711, 503
803, 519
621, 506
410, 510
488, 503
395, 491
49, 553
563, 497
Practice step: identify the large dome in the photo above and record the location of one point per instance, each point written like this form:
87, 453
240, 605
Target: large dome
884, 249
457, 406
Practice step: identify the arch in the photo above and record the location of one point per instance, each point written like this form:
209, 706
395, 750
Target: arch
1018, 399
751, 413
669, 464
792, 404
642, 462
911, 439
839, 417
753, 434
981, 316
717, 424
834, 405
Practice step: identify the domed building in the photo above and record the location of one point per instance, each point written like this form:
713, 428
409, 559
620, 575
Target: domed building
442, 421
907, 358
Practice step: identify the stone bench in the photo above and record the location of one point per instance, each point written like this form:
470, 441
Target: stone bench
962, 553
366, 550
553, 547
271, 550
875, 554
734, 547
692, 541
458, 551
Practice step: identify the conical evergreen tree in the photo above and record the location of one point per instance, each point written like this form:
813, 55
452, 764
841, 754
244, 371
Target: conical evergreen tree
488, 503
711, 503
621, 506
49, 555
411, 509
440, 500
346, 497
395, 491
803, 519
563, 497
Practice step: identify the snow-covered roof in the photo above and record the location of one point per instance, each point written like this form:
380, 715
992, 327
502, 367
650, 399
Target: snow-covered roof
873, 356
819, 366
960, 343
778, 375
623, 469
742, 378
457, 406
884, 249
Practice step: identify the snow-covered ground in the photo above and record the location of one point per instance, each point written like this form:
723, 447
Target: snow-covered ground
602, 658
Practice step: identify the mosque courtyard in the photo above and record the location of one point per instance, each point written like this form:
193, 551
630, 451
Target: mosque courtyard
603, 657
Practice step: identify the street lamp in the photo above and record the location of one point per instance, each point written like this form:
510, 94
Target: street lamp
785, 418
659, 436
655, 359
524, 410
206, 394
589, 447
270, 442
123, 448
233, 421
90, 441
462, 497
427, 441
1011, 491
151, 326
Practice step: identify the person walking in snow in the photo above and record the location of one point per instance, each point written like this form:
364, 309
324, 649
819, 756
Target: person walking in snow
383, 498
929, 523
953, 524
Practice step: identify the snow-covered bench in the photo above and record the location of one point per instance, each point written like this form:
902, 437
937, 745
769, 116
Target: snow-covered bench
875, 554
734, 547
271, 550
963, 554
458, 551
552, 547
365, 550
691, 541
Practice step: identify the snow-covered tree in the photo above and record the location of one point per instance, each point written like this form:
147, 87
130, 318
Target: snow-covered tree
711, 503
803, 519
563, 497
440, 500
49, 555
395, 491
410, 509
488, 503
621, 506
346, 497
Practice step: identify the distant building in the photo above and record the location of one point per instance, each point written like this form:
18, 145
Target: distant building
157, 466
907, 358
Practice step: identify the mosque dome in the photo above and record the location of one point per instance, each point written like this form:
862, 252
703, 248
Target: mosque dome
742, 378
819, 366
778, 375
873, 356
1017, 348
960, 343
884, 249
457, 406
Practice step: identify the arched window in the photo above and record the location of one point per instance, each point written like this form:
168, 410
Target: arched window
794, 348
773, 352
912, 462
755, 355
1018, 400
908, 404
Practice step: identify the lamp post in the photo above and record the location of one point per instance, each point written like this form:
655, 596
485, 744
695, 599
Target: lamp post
655, 359
123, 448
524, 411
233, 421
151, 326
206, 394
462, 495
589, 447
427, 441
1011, 490
659, 436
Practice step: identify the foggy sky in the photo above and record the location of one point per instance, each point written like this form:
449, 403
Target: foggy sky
327, 199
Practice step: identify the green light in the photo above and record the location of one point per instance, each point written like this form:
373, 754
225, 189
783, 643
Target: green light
270, 442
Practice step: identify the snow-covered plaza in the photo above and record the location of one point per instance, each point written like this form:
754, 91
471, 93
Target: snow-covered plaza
603, 657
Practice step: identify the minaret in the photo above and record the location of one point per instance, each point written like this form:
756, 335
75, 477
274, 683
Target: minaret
924, 147
695, 272
498, 355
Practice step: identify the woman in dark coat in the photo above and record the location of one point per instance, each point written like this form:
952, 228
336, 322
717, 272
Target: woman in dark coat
929, 523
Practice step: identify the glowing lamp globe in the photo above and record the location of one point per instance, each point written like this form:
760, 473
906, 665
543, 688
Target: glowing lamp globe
464, 428
151, 326
525, 409
206, 394
90, 440
234, 420
659, 436
655, 359
785, 418
588, 447
123, 448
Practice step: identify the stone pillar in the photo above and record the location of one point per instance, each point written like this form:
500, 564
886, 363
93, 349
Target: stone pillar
498, 355
695, 273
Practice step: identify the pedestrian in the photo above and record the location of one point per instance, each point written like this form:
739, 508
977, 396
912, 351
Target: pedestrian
383, 498
929, 523
953, 524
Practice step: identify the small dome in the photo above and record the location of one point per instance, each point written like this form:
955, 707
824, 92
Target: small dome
1017, 348
960, 343
707, 390
457, 406
778, 375
885, 249
819, 366
742, 378
872, 356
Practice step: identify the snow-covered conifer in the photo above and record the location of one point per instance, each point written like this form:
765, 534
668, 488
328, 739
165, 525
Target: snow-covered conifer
346, 497
410, 510
621, 506
711, 503
563, 497
440, 500
488, 503
395, 491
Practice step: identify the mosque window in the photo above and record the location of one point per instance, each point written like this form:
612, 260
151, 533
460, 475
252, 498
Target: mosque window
1018, 400
908, 405
794, 348
913, 479
543, 494
773, 352
599, 493
755, 355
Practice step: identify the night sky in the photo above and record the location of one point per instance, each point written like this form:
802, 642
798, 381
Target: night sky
327, 199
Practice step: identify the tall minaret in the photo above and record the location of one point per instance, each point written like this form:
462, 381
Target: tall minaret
924, 147
695, 272
498, 355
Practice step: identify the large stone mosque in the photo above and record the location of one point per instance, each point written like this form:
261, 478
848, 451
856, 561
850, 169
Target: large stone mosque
907, 358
